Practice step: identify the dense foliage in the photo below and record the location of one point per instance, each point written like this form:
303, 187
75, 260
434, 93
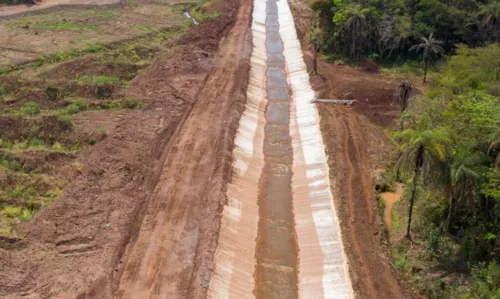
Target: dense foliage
389, 28
457, 128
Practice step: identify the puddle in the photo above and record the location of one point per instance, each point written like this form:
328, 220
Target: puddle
390, 199
186, 13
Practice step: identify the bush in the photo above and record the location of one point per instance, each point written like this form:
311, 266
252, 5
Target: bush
103, 132
129, 103
12, 211
92, 141
65, 117
72, 109
25, 215
35, 142
57, 147
29, 108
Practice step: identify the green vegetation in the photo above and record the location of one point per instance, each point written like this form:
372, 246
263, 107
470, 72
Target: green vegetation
449, 152
387, 29
57, 26
29, 109
102, 80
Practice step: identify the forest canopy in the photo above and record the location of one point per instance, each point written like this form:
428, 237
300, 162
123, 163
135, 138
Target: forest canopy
388, 28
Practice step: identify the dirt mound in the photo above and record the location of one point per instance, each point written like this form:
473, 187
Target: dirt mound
368, 66
46, 128
92, 66
373, 101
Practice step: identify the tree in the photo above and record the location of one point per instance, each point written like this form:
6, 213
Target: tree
356, 26
464, 173
402, 94
314, 38
495, 144
422, 148
429, 46
491, 19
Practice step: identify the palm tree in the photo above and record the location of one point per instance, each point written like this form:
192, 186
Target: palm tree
314, 37
422, 148
402, 94
430, 46
463, 175
356, 26
491, 19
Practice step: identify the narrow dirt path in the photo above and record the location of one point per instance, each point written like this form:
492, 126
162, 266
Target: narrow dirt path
160, 264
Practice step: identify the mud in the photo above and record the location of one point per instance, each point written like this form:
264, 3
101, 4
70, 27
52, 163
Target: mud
390, 198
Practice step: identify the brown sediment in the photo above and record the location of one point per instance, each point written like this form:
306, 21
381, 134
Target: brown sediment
390, 198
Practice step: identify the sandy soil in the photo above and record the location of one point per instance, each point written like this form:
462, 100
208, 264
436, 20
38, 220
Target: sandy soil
75, 248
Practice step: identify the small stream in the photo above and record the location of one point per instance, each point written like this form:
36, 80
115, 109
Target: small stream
186, 13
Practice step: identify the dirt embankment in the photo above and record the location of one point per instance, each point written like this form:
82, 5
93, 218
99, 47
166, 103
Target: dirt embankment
75, 248
357, 147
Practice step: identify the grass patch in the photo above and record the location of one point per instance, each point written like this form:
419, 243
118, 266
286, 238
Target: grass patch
144, 28
12, 212
57, 26
29, 109
103, 132
95, 48
102, 80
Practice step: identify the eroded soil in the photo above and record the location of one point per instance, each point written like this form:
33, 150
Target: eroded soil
75, 247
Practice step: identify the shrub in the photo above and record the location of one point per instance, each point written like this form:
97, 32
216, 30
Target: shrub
12, 211
92, 141
72, 109
103, 132
57, 147
129, 103
65, 117
26, 215
35, 142
29, 108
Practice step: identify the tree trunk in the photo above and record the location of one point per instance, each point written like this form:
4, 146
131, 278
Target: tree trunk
315, 57
450, 213
418, 168
426, 64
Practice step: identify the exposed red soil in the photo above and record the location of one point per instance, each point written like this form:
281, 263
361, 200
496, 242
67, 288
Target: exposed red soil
357, 148
173, 253
77, 247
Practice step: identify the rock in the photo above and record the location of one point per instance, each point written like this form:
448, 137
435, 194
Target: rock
381, 183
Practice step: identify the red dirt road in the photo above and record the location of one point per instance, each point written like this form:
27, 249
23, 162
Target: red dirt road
181, 212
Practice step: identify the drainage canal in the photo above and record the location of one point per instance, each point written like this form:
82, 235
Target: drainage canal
276, 251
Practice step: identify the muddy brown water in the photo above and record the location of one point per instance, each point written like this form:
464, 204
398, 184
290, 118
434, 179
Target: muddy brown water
276, 252
390, 199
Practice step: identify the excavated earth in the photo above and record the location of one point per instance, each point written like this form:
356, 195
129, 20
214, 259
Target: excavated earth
152, 214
